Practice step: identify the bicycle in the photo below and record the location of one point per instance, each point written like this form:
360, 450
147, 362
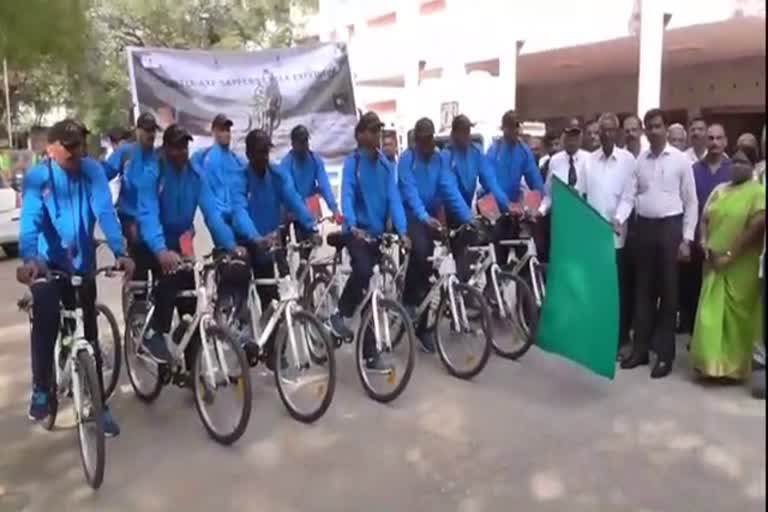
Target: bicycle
305, 341
218, 363
459, 303
74, 375
513, 304
380, 316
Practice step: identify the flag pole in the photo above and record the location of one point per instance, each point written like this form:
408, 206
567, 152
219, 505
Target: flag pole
8, 103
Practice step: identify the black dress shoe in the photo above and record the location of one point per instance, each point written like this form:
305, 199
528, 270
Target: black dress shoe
634, 360
661, 369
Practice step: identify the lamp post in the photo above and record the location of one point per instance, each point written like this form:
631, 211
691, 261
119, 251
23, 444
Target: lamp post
7, 103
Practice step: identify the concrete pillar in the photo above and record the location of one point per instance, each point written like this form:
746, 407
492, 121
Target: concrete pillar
407, 21
651, 51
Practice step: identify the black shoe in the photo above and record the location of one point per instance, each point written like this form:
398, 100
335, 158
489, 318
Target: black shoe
634, 360
428, 341
661, 369
624, 352
251, 350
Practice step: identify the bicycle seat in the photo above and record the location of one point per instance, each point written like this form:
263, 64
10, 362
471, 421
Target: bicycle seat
336, 240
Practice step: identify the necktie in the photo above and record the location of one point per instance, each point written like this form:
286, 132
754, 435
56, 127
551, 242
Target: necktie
571, 172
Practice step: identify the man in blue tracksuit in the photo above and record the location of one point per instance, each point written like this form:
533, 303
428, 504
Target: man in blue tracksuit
466, 166
369, 197
170, 198
220, 164
512, 161
425, 188
261, 194
308, 170
64, 196
130, 162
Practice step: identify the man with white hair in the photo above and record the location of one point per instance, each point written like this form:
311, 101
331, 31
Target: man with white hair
676, 136
609, 185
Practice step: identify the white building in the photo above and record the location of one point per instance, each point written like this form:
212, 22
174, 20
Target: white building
556, 58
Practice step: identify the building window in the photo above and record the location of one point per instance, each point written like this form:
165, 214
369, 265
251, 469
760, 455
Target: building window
431, 7
383, 21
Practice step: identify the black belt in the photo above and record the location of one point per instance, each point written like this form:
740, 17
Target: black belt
659, 220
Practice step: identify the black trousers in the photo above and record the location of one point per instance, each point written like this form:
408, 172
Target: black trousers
656, 284
626, 300
691, 274
166, 290
138, 250
419, 268
363, 256
46, 321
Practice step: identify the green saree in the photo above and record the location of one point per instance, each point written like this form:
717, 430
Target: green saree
729, 314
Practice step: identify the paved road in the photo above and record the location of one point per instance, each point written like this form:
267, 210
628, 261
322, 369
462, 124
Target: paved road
535, 435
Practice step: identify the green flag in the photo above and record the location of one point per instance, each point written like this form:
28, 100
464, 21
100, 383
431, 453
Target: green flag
580, 314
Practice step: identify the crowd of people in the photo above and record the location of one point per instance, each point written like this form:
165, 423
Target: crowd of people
689, 221
690, 254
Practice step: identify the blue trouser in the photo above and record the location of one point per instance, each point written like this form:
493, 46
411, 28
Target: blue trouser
48, 297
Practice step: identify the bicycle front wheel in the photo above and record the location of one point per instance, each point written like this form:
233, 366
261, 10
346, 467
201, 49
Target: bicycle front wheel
385, 367
463, 332
222, 385
305, 377
515, 319
110, 345
142, 370
90, 426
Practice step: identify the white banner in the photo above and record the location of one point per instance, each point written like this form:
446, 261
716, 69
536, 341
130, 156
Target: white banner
272, 89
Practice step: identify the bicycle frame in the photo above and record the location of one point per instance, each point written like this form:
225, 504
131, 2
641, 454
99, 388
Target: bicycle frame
201, 318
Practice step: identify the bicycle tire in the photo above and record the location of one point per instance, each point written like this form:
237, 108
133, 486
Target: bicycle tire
328, 359
137, 312
227, 438
308, 298
109, 387
444, 311
526, 312
86, 372
405, 323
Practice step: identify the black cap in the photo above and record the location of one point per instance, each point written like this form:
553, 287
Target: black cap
299, 132
424, 126
117, 134
368, 121
175, 135
510, 119
146, 121
221, 121
461, 122
68, 132
257, 139
572, 130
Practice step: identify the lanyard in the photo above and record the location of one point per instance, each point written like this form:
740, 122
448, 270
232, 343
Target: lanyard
76, 225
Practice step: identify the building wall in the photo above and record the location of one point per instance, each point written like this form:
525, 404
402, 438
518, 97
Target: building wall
738, 84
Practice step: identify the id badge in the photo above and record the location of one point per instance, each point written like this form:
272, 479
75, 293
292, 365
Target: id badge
187, 245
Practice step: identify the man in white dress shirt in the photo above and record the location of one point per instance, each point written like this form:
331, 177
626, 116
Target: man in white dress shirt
667, 211
609, 186
568, 165
697, 131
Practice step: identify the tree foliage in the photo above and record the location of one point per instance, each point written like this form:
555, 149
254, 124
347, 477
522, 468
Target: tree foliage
90, 72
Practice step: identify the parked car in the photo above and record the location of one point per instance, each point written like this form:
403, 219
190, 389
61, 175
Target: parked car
10, 211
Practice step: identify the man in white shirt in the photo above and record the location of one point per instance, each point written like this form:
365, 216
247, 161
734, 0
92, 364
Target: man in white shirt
569, 165
677, 137
667, 211
697, 131
609, 186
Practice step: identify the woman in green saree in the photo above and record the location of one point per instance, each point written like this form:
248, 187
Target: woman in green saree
729, 315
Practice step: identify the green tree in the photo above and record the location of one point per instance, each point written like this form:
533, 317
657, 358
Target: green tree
215, 24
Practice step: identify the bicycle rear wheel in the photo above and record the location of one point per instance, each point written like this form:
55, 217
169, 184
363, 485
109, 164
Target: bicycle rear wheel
143, 371
89, 416
515, 330
306, 380
110, 345
385, 372
465, 351
224, 405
